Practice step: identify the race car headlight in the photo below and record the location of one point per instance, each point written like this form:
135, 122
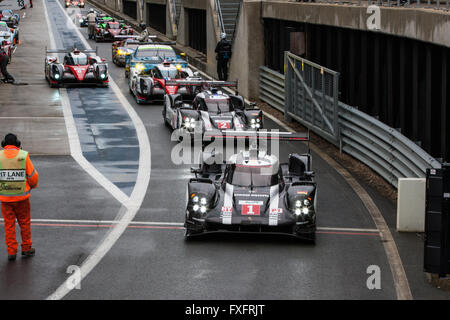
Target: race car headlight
257, 126
305, 210
120, 52
203, 209
81, 20
189, 122
298, 211
298, 204
306, 202
57, 76
103, 76
195, 199
253, 121
253, 126
203, 201
139, 66
196, 207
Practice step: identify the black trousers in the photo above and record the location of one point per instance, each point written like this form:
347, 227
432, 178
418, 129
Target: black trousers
222, 69
3, 64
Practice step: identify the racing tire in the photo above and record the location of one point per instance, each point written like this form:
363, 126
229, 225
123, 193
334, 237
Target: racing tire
166, 123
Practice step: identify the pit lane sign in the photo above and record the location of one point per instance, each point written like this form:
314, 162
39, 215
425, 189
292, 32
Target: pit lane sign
14, 4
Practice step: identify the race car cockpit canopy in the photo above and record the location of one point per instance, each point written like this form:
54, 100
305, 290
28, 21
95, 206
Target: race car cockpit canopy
158, 51
213, 102
76, 58
260, 172
113, 25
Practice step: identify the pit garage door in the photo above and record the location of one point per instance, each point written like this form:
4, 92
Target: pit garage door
130, 8
156, 14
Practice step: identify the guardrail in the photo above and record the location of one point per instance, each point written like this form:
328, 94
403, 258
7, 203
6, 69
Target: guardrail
425, 4
219, 14
380, 147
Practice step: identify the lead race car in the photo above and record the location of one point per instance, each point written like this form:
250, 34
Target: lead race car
253, 192
148, 84
211, 109
77, 67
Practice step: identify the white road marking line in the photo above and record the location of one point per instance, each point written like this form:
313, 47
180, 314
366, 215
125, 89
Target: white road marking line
132, 204
162, 223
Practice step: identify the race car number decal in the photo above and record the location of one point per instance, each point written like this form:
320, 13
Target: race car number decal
224, 125
227, 209
276, 210
250, 209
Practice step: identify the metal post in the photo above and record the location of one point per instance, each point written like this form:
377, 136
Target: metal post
287, 87
336, 105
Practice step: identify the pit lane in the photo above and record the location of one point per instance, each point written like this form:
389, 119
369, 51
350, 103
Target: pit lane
155, 263
158, 264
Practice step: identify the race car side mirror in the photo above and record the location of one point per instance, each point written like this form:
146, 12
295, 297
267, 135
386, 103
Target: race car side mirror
310, 173
196, 170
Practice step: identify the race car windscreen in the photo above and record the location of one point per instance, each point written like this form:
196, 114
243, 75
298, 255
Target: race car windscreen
77, 59
256, 176
166, 73
113, 26
150, 52
215, 105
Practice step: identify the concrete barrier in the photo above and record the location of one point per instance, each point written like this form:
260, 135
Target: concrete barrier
411, 205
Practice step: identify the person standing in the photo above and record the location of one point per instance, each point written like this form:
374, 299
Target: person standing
92, 18
223, 51
144, 34
7, 77
17, 177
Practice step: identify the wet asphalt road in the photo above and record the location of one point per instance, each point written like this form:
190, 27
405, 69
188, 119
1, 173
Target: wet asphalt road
157, 263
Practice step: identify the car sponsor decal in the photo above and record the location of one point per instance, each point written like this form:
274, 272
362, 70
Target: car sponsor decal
302, 192
274, 211
228, 204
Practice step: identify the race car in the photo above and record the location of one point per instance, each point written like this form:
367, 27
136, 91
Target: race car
149, 84
77, 67
9, 38
107, 31
11, 19
75, 3
153, 54
210, 110
122, 48
252, 192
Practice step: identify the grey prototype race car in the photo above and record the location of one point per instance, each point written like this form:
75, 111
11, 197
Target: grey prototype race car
211, 109
253, 192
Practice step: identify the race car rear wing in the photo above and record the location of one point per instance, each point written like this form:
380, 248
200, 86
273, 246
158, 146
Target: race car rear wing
258, 135
253, 138
70, 50
135, 37
202, 83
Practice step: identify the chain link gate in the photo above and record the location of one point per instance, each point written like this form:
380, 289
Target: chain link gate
311, 96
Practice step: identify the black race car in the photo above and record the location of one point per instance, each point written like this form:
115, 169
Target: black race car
210, 109
253, 192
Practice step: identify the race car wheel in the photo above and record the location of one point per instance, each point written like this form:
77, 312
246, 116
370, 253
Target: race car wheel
164, 112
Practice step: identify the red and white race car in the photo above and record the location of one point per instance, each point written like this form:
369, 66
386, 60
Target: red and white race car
75, 3
77, 67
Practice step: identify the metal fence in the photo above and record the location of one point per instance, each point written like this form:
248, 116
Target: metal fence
425, 4
382, 148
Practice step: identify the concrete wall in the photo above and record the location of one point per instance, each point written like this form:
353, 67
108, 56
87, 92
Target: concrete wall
421, 24
248, 50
